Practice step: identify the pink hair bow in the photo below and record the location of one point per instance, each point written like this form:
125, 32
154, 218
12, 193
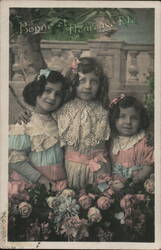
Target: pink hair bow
74, 65
117, 99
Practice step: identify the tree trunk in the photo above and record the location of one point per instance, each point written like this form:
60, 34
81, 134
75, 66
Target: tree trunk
30, 56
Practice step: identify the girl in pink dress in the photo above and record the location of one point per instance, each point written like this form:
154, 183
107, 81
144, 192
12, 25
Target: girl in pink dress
131, 155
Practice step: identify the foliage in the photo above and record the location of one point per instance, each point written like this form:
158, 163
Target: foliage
64, 23
127, 215
149, 103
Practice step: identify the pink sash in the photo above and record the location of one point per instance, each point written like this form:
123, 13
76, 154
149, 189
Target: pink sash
53, 173
91, 160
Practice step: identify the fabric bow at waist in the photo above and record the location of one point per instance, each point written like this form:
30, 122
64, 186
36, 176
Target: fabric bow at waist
54, 173
91, 160
124, 172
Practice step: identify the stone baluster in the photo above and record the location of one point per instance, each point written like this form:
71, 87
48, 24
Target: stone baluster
133, 68
76, 52
151, 62
17, 74
57, 52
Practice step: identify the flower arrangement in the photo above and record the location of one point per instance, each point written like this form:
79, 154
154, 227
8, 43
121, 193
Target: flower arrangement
119, 213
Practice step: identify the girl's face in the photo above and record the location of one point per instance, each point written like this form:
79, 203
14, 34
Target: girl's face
88, 86
128, 122
50, 99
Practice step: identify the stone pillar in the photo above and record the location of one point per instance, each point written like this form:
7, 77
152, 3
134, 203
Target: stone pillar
56, 52
133, 68
151, 62
76, 52
16, 69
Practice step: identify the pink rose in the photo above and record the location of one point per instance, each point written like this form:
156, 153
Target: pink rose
94, 215
126, 201
45, 231
108, 192
129, 222
149, 185
140, 197
103, 203
103, 178
85, 201
59, 186
25, 209
117, 185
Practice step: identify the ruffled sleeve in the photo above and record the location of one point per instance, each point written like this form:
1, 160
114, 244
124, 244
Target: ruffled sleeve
19, 147
147, 153
19, 143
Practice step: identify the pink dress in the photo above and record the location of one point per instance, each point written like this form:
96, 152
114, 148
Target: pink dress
130, 154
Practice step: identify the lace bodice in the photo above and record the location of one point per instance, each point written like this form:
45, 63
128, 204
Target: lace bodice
83, 124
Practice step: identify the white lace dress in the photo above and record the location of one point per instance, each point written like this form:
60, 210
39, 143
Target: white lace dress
83, 129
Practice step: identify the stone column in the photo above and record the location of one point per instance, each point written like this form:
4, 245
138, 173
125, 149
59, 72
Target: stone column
133, 68
151, 62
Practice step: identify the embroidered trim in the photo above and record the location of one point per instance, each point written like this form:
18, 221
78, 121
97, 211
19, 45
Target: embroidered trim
125, 142
42, 130
83, 123
17, 156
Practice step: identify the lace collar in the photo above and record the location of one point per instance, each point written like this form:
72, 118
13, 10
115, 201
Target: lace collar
125, 142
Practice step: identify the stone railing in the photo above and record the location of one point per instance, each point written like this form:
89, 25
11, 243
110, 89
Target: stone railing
126, 65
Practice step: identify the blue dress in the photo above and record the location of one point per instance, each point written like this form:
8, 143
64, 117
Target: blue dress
34, 150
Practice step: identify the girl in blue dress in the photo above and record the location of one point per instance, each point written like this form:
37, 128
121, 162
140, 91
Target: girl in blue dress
35, 155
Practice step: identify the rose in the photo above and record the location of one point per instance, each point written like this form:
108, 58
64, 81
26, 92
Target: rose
68, 193
149, 185
117, 185
126, 201
108, 192
45, 230
85, 201
50, 201
129, 222
120, 216
59, 186
140, 197
103, 178
94, 215
25, 209
104, 235
104, 202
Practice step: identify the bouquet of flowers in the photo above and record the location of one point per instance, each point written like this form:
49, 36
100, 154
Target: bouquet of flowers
113, 212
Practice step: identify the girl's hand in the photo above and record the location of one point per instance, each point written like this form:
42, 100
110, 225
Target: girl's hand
142, 175
138, 178
24, 116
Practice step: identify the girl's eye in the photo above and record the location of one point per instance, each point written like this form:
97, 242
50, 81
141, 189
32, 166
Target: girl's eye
58, 93
121, 116
94, 82
82, 81
48, 91
135, 117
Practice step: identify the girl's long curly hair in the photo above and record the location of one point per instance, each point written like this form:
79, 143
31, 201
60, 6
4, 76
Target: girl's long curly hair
87, 65
37, 87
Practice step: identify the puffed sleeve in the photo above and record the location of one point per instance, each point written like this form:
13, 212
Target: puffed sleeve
19, 147
147, 153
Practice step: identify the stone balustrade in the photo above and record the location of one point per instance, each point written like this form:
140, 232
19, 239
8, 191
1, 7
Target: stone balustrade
126, 65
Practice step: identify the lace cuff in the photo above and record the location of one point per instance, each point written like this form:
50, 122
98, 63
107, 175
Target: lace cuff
17, 156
